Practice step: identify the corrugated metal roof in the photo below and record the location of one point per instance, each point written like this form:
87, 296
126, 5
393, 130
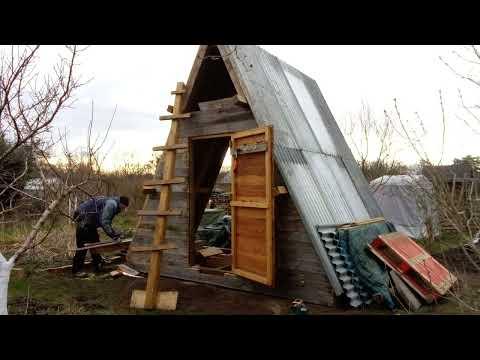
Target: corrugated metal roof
309, 149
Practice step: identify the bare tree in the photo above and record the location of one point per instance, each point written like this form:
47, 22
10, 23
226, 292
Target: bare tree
372, 142
465, 64
448, 197
28, 107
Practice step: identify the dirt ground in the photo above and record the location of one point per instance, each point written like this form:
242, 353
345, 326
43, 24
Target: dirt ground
60, 293
50, 293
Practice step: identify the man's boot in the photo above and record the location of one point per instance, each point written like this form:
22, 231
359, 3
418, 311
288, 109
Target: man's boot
99, 265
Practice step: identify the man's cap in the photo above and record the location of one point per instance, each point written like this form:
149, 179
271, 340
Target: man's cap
124, 200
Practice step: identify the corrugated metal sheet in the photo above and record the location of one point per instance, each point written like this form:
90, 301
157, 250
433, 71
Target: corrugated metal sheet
310, 151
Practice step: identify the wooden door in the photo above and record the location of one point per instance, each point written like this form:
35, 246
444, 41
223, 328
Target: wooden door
253, 250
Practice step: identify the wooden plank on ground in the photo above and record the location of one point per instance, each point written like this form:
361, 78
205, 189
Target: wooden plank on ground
165, 300
161, 247
126, 268
115, 273
210, 251
68, 267
405, 293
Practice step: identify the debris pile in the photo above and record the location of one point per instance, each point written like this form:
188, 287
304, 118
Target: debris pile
374, 262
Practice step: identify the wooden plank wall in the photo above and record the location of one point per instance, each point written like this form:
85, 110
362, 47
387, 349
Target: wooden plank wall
299, 271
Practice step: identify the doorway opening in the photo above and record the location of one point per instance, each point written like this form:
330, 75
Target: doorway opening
210, 212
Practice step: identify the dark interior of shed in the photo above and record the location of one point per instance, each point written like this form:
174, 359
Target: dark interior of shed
209, 244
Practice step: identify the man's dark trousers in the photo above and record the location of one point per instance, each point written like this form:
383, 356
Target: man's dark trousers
85, 233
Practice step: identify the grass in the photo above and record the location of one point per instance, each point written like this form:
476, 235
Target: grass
52, 294
446, 241
125, 221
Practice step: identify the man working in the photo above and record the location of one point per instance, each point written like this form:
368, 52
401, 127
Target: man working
90, 215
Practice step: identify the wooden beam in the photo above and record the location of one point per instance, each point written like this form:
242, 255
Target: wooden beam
241, 100
158, 182
252, 204
175, 116
159, 212
170, 147
405, 293
363, 222
220, 105
165, 246
99, 245
192, 77
280, 190
234, 77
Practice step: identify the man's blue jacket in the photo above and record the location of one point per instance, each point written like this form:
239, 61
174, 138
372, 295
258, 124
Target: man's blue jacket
99, 212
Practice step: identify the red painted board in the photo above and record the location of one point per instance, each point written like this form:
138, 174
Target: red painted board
418, 268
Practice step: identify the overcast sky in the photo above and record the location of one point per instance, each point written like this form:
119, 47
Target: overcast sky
138, 80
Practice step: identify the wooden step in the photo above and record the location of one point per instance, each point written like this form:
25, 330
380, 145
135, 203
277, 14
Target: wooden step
175, 116
177, 92
170, 147
158, 182
154, 186
164, 300
161, 247
176, 212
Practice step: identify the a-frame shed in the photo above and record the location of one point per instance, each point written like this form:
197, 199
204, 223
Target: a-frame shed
281, 133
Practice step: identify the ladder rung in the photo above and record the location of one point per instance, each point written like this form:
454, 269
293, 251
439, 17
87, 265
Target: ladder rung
178, 92
175, 116
158, 182
176, 212
150, 190
166, 246
170, 147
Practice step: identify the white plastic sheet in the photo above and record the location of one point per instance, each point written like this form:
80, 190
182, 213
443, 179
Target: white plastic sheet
5, 270
406, 202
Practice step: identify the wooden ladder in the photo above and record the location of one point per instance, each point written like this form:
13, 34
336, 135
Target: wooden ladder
151, 298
